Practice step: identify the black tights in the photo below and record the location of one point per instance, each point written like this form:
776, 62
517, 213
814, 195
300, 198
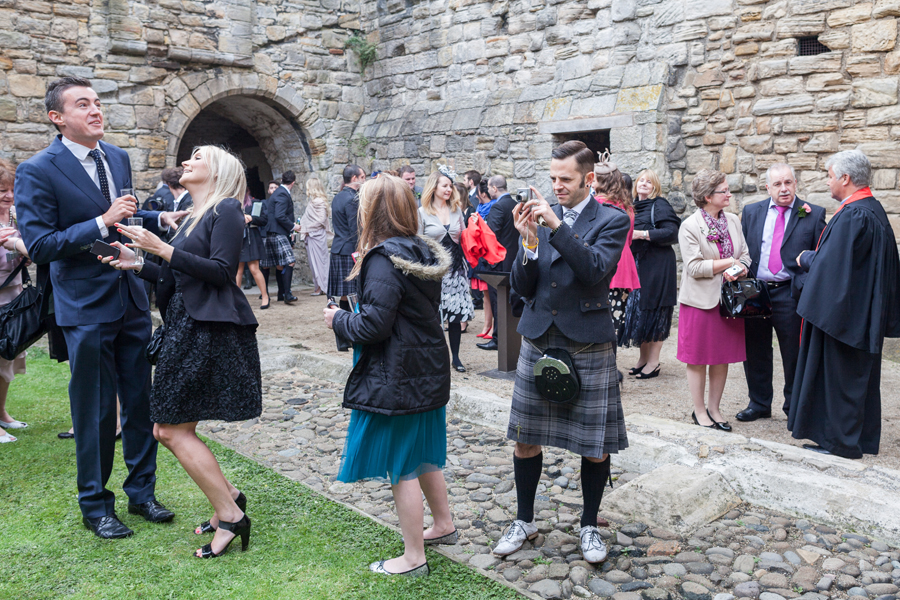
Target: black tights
454, 332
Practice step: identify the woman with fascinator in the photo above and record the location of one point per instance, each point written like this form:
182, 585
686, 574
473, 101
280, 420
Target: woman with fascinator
441, 219
712, 242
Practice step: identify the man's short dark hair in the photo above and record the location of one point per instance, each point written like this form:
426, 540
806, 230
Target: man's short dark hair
288, 177
53, 100
171, 176
474, 176
406, 169
275, 181
498, 181
584, 156
351, 171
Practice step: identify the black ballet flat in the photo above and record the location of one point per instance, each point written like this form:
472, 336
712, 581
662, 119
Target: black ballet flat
650, 375
636, 370
723, 426
206, 526
696, 422
239, 529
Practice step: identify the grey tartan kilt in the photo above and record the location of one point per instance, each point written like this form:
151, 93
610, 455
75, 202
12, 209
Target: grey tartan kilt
339, 268
591, 425
278, 252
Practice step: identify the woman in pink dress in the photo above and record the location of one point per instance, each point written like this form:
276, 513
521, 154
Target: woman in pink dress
711, 243
11, 255
610, 188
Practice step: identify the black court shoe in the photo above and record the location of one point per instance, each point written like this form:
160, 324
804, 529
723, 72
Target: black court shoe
696, 422
240, 529
721, 426
206, 527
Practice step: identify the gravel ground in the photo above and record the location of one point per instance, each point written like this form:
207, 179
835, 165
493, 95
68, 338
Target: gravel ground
666, 396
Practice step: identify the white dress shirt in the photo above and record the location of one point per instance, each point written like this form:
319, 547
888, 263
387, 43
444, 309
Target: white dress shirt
178, 199
762, 272
533, 254
87, 161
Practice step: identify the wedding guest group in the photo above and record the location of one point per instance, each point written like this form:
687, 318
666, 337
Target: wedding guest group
648, 313
208, 362
441, 219
344, 209
69, 195
849, 304
280, 224
400, 385
777, 230
711, 243
13, 257
563, 271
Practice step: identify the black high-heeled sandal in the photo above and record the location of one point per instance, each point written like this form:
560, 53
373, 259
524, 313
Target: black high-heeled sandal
206, 527
636, 370
239, 529
650, 375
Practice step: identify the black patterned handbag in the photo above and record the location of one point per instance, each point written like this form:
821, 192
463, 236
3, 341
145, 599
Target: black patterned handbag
745, 299
155, 345
21, 324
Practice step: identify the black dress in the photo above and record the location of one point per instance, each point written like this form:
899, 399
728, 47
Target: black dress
648, 312
253, 246
208, 367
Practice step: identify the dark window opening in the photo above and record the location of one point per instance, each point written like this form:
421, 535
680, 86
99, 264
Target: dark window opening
810, 46
597, 141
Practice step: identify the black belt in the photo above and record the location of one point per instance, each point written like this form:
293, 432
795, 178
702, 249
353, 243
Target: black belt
774, 285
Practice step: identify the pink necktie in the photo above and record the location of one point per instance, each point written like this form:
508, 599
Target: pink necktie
775, 263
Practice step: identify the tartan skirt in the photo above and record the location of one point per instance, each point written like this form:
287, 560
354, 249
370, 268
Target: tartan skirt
591, 425
338, 270
278, 252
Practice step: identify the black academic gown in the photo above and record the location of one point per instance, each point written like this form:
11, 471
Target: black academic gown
849, 305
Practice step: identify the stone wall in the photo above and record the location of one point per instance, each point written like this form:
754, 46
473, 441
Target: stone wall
679, 84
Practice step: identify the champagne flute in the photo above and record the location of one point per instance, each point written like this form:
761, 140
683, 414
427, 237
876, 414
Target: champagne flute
136, 223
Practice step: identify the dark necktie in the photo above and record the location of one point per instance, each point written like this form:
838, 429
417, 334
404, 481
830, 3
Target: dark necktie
101, 174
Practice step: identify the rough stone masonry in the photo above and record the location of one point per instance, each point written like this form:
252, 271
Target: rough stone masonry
676, 85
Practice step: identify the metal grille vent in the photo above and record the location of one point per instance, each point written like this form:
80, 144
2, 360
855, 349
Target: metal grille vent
810, 46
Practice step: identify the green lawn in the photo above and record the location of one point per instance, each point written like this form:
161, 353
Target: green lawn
302, 545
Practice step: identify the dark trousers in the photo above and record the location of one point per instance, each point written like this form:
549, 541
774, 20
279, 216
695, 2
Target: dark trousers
758, 339
108, 359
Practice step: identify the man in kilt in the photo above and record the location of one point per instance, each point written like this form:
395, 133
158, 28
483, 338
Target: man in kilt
562, 271
343, 219
279, 251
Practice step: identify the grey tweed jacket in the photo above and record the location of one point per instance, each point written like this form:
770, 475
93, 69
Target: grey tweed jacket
568, 284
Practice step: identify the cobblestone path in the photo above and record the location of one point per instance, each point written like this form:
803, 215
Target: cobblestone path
749, 553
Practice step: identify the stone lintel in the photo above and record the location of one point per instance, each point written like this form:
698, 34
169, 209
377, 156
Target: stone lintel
593, 124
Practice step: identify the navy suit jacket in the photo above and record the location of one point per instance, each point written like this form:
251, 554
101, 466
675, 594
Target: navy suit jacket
344, 209
57, 206
568, 284
801, 233
280, 212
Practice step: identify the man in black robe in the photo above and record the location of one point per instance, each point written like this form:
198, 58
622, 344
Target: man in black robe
849, 305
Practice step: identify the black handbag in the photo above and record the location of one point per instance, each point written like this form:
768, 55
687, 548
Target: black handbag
745, 299
155, 345
21, 324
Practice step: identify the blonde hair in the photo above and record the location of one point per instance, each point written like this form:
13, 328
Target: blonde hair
228, 181
387, 208
428, 194
314, 188
650, 175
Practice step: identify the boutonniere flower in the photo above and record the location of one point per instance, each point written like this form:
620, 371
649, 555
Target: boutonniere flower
804, 210
710, 234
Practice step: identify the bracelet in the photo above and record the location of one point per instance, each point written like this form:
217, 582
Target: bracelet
529, 247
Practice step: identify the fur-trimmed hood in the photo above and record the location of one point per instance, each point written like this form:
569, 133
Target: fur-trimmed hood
419, 257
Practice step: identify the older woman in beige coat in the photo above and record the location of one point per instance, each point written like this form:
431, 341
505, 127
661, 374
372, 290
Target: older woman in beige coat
711, 243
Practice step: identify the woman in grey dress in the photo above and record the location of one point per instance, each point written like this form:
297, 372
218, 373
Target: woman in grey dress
441, 218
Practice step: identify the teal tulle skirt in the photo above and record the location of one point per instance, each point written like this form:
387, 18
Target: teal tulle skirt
395, 448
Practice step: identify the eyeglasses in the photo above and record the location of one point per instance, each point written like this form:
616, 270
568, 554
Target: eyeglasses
720, 192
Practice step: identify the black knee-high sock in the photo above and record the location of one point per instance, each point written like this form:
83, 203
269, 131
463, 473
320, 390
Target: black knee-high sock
286, 275
454, 332
594, 476
280, 283
528, 475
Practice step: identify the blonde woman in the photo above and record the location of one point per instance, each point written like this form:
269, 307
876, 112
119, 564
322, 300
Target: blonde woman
315, 229
441, 219
208, 365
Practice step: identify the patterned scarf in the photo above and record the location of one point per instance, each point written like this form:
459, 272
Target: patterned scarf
718, 232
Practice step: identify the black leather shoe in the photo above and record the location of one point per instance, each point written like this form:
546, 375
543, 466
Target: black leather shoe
491, 345
751, 414
66, 435
289, 298
152, 510
108, 527
816, 448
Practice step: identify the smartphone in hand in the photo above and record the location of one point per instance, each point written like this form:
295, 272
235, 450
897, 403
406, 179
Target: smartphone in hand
102, 249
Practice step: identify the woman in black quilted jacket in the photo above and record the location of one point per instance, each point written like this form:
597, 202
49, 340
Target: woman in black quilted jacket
400, 384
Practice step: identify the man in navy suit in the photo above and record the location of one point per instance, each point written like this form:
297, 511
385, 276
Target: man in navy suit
777, 230
68, 197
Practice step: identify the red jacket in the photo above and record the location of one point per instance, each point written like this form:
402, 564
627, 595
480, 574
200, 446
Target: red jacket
626, 273
478, 241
